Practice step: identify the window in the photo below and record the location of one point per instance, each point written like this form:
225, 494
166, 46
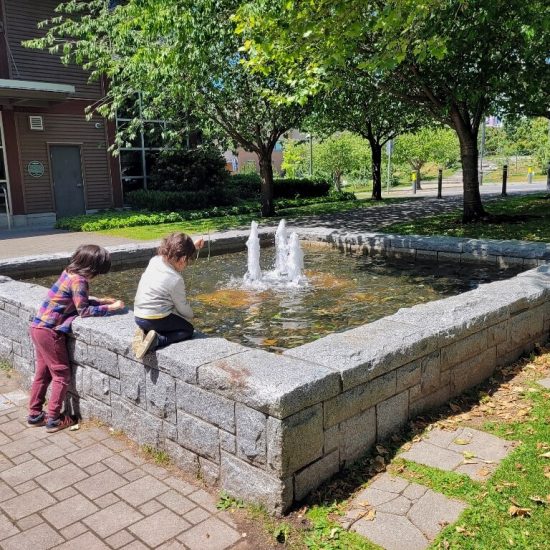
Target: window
138, 155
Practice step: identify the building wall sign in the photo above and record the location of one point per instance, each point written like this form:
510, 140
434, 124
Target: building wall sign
35, 169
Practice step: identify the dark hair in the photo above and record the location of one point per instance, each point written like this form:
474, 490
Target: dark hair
90, 260
176, 246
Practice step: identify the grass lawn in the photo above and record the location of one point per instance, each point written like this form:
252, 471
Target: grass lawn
535, 228
203, 226
511, 509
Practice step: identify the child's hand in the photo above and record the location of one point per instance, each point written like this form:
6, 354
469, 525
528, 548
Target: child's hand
116, 305
199, 243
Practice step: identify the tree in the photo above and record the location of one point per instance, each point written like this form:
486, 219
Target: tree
183, 57
355, 103
437, 145
295, 158
455, 60
339, 155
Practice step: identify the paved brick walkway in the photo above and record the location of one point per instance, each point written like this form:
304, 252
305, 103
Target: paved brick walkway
398, 514
87, 490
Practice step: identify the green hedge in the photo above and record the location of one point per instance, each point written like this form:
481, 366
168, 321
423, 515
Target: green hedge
113, 219
163, 201
247, 186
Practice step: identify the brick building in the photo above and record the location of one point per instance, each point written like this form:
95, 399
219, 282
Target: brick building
53, 161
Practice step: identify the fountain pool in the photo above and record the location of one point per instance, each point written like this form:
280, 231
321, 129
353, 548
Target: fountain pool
342, 291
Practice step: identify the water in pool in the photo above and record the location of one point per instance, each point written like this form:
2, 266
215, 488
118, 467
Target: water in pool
343, 292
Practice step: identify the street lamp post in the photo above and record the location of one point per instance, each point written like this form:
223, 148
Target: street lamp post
389, 149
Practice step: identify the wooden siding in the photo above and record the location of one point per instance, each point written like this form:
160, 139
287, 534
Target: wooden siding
22, 17
64, 129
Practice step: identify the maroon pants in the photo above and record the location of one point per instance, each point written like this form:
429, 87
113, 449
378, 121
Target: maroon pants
52, 365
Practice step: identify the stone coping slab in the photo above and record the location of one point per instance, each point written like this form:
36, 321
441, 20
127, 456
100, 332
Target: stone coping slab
397, 514
464, 450
270, 427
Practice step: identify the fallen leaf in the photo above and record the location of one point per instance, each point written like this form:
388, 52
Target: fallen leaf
364, 504
469, 461
516, 511
484, 471
545, 455
381, 450
454, 407
468, 454
537, 499
460, 441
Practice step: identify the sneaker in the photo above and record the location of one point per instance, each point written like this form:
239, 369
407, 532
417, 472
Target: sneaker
150, 341
137, 341
36, 420
64, 421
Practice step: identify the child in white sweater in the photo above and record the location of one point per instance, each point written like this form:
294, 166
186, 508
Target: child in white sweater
161, 310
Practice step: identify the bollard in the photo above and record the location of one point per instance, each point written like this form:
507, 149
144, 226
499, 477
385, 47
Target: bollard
413, 179
439, 183
530, 174
504, 179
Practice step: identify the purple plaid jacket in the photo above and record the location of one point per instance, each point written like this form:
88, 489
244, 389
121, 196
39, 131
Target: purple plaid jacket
67, 299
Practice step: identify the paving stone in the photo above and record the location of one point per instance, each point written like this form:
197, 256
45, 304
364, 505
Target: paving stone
21, 446
211, 534
431, 455
90, 455
49, 452
391, 532
176, 502
150, 508
132, 475
27, 504
119, 539
61, 477
196, 515
483, 445
59, 462
95, 468
29, 522
414, 491
112, 519
73, 531
205, 499
25, 457
119, 464
24, 472
156, 471
399, 506
106, 500
100, 484
40, 537
180, 485
432, 511
136, 545
388, 483
141, 490
172, 545
26, 487
69, 511
545, 382
64, 494
86, 541
158, 528
7, 528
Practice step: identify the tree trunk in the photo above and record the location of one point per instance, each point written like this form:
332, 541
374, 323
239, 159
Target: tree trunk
338, 181
266, 175
376, 152
418, 186
473, 208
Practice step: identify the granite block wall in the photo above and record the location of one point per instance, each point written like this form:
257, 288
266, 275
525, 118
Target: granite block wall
270, 428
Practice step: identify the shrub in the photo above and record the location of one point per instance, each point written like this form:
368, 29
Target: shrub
113, 219
189, 170
244, 186
163, 201
303, 187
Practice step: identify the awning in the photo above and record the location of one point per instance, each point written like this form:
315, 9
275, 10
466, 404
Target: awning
31, 93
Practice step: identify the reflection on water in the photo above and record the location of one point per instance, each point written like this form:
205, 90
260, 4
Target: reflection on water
343, 292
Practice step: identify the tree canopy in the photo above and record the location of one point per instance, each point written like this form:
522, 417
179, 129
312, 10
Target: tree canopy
456, 60
184, 59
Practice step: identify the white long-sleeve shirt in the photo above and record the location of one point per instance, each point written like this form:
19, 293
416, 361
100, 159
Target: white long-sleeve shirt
161, 291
